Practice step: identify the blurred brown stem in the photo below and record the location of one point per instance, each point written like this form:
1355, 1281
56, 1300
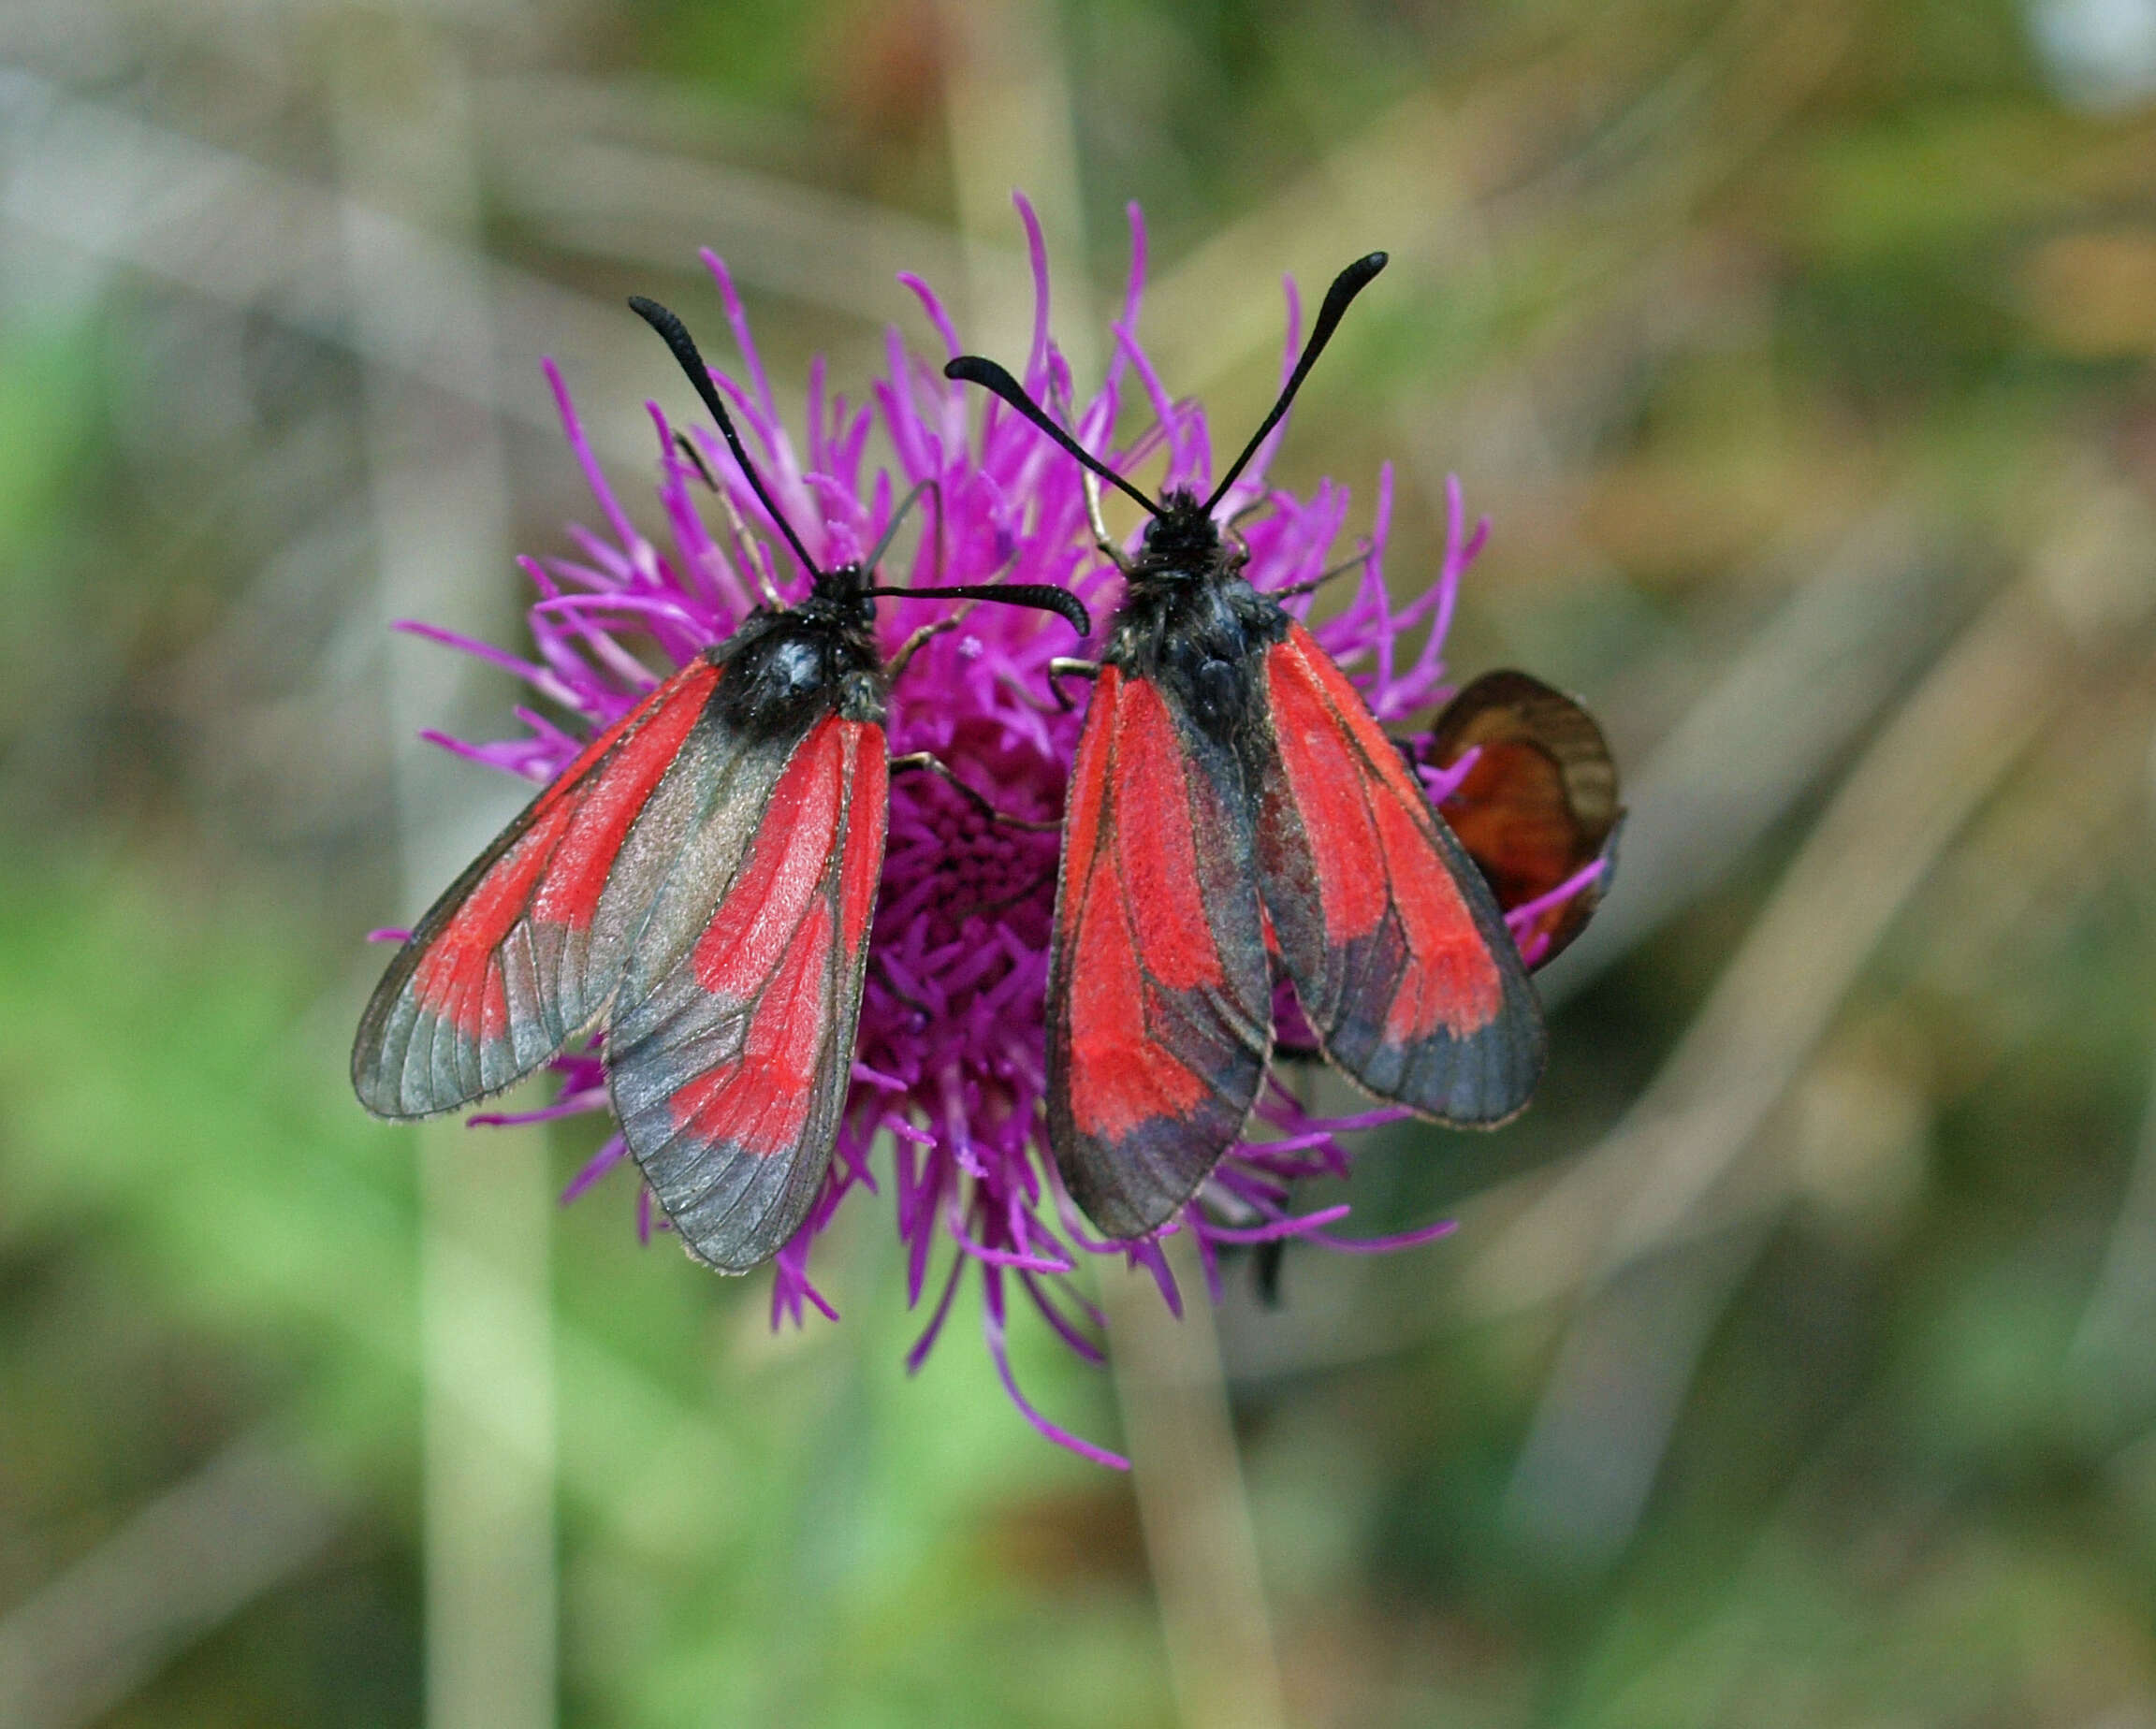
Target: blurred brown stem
1199, 1540
436, 476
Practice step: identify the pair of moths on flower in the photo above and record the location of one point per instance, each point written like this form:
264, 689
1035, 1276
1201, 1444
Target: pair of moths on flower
699, 884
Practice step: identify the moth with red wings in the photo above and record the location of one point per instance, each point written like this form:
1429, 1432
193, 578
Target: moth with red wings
1233, 794
698, 885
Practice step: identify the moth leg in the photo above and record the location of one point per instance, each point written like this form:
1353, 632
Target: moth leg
688, 448
921, 638
1102, 540
889, 984
936, 765
683, 443
743, 551
958, 915
1063, 667
899, 517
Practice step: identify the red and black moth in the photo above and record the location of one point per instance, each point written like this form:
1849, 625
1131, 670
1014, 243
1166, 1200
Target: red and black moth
1231, 795
697, 886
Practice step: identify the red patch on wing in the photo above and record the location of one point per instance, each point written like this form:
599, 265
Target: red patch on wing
458, 977
760, 1102
1156, 844
609, 804
1119, 1076
1082, 797
1136, 895
556, 868
1335, 812
1453, 981
763, 909
809, 879
1366, 818
867, 811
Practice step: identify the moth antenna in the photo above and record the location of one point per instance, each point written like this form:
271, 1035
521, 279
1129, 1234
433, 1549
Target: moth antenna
974, 369
899, 516
675, 334
683, 443
1319, 581
1346, 286
1040, 596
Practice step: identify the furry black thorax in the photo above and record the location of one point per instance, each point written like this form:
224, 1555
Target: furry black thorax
786, 666
1191, 621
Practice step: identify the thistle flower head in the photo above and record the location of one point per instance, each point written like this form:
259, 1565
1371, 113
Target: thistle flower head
949, 1071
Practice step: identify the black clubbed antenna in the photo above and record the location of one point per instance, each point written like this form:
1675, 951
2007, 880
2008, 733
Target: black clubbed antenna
991, 377
897, 519
1346, 286
1040, 596
675, 334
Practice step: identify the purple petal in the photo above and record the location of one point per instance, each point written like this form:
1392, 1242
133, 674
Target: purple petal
612, 1153
586, 458
1301, 1225
992, 1328
1385, 1245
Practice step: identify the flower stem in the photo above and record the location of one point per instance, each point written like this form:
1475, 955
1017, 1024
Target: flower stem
1191, 1506
437, 484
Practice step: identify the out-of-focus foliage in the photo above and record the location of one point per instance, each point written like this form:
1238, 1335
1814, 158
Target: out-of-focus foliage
1796, 1360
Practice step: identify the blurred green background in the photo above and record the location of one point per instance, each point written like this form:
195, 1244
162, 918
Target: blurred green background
1793, 1364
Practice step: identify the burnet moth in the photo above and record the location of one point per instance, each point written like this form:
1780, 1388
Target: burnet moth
1536, 808
698, 887
1232, 794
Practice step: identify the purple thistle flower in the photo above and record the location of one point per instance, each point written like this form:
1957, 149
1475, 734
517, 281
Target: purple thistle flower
950, 1064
